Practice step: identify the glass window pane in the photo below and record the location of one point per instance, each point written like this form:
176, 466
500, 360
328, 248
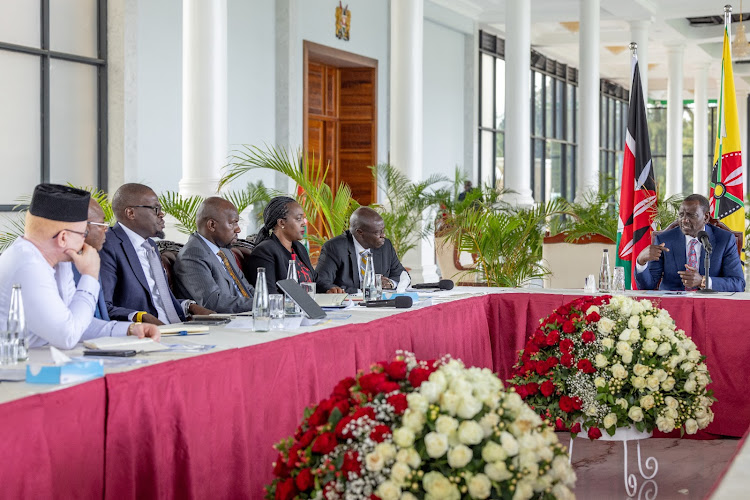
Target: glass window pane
487, 157
487, 91
570, 173
20, 22
73, 26
500, 94
549, 103
559, 109
618, 125
538, 169
571, 113
20, 125
602, 121
538, 101
554, 170
500, 161
73, 123
611, 124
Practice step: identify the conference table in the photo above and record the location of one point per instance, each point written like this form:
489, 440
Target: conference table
194, 425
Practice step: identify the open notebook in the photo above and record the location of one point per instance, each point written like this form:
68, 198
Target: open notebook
124, 344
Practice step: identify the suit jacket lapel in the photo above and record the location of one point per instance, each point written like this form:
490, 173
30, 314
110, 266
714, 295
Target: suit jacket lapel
680, 252
132, 256
353, 259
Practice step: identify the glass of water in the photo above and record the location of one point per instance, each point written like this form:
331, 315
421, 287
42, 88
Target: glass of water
618, 280
276, 305
379, 286
309, 287
8, 348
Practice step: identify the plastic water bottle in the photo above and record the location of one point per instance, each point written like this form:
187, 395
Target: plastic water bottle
604, 272
261, 308
290, 307
369, 286
17, 324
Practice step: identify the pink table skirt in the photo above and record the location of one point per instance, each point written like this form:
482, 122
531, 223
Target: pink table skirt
204, 426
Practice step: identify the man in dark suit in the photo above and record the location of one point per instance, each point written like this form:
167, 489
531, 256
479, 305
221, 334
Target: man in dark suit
677, 257
206, 269
133, 278
340, 263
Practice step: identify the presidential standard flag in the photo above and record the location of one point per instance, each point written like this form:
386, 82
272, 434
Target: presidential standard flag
637, 186
727, 196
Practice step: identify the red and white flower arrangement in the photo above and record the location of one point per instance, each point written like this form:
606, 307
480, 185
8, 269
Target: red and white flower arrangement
430, 430
602, 363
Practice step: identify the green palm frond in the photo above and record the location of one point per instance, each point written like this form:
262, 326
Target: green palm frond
666, 209
327, 213
13, 229
102, 198
405, 205
182, 208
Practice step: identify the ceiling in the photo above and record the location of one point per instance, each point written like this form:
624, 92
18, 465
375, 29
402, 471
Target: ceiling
553, 34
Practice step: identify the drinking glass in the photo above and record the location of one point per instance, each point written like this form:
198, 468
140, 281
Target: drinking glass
590, 286
379, 286
276, 305
8, 348
618, 280
309, 287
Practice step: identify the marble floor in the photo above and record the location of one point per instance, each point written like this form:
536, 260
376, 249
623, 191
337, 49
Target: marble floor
687, 469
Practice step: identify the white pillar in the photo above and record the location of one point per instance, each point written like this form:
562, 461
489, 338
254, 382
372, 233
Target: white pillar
406, 110
204, 95
587, 178
700, 132
407, 27
639, 35
674, 121
517, 102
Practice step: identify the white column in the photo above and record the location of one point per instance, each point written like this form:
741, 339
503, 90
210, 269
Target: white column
204, 95
406, 114
407, 27
674, 121
700, 132
517, 102
587, 178
639, 35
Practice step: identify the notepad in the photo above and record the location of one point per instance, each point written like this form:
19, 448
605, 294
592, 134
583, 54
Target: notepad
125, 343
330, 299
183, 329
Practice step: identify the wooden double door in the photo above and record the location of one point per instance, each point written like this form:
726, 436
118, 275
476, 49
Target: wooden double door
341, 117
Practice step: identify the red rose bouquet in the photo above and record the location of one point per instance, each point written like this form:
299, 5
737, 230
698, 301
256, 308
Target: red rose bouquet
601, 363
413, 429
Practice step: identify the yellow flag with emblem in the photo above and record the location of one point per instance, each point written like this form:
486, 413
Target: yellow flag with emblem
727, 196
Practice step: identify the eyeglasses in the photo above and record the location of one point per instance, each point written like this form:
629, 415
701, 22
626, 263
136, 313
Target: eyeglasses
82, 233
99, 224
155, 208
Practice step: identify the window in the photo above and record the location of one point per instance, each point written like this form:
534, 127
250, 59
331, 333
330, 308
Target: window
491, 111
553, 135
613, 124
53, 94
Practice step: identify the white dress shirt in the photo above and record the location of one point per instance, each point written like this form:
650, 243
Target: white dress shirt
359, 249
56, 311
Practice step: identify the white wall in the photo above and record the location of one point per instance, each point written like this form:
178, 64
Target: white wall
443, 100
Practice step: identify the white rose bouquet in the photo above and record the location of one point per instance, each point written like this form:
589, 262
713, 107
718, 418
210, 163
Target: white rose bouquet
413, 430
612, 362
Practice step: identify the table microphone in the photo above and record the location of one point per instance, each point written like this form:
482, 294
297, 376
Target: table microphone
400, 302
442, 284
705, 241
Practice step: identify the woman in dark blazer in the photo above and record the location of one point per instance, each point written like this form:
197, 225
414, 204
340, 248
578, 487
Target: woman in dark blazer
284, 225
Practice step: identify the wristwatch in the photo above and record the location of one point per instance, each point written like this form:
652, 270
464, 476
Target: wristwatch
703, 283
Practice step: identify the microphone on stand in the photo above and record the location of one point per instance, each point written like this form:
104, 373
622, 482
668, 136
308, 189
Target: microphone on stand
706, 242
400, 302
442, 284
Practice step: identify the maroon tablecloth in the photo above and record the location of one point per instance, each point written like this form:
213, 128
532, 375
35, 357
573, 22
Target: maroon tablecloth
204, 426
52, 445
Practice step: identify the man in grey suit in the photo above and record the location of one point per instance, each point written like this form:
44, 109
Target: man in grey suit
205, 269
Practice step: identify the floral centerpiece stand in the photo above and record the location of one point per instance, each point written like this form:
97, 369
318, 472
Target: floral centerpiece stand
615, 366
